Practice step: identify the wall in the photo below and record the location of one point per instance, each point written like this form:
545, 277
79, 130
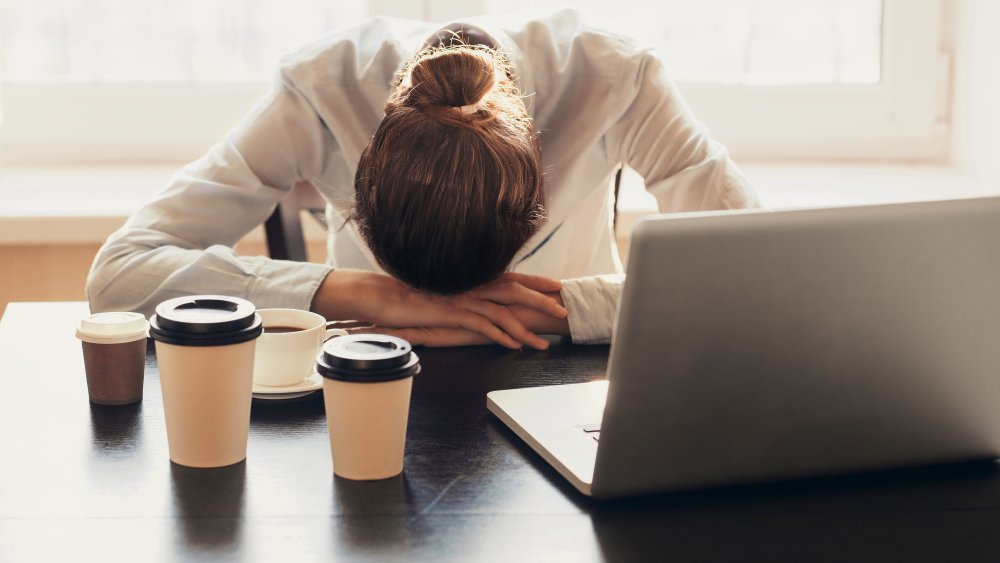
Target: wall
59, 272
977, 90
44, 272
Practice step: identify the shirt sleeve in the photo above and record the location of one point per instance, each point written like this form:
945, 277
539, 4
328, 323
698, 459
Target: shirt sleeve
682, 166
180, 243
592, 303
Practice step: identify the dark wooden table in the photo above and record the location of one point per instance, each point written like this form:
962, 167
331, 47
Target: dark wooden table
82, 482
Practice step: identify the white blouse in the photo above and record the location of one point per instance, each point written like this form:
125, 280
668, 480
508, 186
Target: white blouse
596, 99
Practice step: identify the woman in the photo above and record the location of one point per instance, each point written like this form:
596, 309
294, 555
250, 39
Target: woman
482, 161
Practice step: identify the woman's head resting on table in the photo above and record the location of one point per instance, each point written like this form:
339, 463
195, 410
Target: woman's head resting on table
450, 187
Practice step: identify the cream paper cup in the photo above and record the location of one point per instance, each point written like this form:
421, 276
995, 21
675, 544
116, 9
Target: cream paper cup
367, 380
205, 351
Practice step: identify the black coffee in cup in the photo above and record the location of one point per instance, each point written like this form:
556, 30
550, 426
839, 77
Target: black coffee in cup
279, 329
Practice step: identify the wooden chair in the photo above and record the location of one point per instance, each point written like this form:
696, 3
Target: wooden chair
283, 229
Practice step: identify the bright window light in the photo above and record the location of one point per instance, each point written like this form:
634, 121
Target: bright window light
128, 81
160, 40
758, 42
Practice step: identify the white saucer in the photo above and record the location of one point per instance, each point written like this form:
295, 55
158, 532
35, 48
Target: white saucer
281, 396
313, 382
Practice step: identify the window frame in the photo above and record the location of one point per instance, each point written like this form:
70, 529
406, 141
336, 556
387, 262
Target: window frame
905, 117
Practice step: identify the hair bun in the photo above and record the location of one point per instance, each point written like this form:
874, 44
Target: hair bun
444, 199
452, 77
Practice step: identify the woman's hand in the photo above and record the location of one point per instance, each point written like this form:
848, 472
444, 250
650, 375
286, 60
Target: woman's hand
430, 337
481, 315
537, 322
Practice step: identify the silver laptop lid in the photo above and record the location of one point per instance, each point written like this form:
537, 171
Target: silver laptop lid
769, 345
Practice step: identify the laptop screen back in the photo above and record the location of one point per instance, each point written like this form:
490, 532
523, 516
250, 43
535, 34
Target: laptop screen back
757, 346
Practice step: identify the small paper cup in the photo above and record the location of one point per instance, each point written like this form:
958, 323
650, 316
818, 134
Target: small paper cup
114, 356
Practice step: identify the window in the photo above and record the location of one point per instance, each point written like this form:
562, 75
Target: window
160, 80
801, 79
160, 41
763, 42
150, 80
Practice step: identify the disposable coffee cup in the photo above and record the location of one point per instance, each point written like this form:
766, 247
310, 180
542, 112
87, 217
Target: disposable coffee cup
205, 351
367, 380
286, 352
114, 356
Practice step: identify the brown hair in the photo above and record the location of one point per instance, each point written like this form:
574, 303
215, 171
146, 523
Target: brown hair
446, 195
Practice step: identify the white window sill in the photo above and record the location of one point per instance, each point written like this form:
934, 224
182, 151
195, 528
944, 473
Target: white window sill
796, 186
84, 205
40, 206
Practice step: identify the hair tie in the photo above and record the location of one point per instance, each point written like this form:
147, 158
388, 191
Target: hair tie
466, 110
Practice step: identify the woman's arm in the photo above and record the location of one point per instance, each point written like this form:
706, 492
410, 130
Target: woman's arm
538, 310
181, 242
682, 167
659, 137
510, 311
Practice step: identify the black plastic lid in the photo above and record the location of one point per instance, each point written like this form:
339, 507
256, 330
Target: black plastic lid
205, 320
367, 358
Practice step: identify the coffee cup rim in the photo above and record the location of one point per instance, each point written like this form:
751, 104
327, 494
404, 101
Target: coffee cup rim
336, 362
112, 327
241, 324
410, 369
264, 313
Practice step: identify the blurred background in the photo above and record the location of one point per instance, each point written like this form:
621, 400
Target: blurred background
821, 102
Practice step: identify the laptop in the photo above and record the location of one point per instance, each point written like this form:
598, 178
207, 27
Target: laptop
760, 346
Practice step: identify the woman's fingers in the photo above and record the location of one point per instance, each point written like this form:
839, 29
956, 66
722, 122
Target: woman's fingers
493, 322
537, 283
432, 337
513, 293
389, 303
500, 315
455, 312
411, 309
488, 327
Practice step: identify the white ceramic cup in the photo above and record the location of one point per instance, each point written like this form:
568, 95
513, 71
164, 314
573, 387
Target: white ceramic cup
286, 358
